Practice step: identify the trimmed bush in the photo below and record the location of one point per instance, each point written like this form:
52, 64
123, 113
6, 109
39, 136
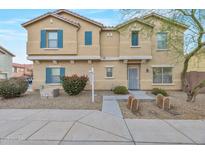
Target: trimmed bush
23, 84
120, 90
13, 87
157, 91
74, 84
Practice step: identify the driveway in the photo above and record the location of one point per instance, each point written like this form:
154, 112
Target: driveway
22, 126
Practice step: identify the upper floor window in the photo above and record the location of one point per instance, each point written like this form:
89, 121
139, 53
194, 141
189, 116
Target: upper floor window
88, 38
109, 72
162, 40
134, 38
162, 75
51, 38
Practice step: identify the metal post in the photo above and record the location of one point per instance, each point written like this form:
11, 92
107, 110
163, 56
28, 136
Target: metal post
93, 78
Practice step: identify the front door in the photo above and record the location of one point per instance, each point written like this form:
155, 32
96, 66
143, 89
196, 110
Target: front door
133, 78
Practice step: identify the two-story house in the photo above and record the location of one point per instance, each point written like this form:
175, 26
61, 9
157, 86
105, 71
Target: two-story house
5, 63
134, 54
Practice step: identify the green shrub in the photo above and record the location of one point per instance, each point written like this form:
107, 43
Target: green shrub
23, 84
157, 91
120, 90
13, 87
74, 84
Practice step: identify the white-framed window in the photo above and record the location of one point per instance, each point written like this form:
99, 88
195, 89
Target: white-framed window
52, 39
3, 76
162, 75
162, 40
109, 72
54, 74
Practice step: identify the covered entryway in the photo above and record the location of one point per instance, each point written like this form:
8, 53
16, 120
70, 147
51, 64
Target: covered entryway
133, 77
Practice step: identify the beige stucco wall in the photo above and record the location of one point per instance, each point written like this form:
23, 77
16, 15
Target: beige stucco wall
103, 83
69, 37
170, 57
146, 78
81, 68
109, 42
83, 50
144, 48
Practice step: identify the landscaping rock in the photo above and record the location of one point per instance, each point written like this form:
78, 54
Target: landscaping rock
166, 103
135, 105
159, 100
129, 101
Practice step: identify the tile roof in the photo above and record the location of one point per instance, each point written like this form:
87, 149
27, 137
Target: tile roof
78, 16
141, 20
3, 50
22, 65
53, 15
133, 20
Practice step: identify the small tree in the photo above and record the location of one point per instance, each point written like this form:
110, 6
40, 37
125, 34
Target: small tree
194, 39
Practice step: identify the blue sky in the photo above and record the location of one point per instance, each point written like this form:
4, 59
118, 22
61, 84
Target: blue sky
13, 35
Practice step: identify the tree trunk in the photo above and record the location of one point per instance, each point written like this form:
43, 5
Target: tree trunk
191, 95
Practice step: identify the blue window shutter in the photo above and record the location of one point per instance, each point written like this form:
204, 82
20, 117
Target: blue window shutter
60, 38
48, 75
135, 38
62, 71
88, 38
43, 38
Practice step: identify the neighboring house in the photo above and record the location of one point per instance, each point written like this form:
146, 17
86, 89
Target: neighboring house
5, 63
197, 63
134, 54
196, 69
22, 70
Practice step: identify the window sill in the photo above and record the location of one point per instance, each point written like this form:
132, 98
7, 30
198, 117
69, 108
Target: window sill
109, 77
88, 45
51, 48
162, 49
135, 46
163, 84
53, 84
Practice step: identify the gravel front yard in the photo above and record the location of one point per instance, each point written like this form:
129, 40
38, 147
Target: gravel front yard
180, 108
32, 100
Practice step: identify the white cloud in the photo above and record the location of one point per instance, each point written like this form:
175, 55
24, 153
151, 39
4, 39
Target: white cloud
13, 21
107, 21
11, 34
89, 11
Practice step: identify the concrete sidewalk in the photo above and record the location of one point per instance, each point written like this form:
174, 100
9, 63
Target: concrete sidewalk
22, 126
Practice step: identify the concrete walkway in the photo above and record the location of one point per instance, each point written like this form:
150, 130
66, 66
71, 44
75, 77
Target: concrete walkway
142, 95
110, 103
22, 126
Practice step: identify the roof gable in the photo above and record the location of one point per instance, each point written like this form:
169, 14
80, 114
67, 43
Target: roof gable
53, 15
79, 16
166, 19
131, 21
